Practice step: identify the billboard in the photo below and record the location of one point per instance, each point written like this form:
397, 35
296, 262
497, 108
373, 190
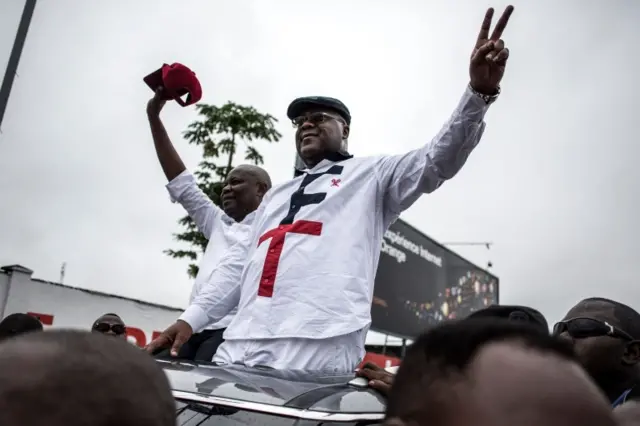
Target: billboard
420, 283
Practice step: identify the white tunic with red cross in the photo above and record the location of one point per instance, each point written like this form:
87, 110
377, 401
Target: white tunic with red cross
307, 270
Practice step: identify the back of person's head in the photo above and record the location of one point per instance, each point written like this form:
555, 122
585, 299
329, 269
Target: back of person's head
16, 324
487, 371
69, 378
514, 313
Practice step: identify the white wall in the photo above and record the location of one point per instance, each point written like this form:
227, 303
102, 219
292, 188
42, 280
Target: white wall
77, 308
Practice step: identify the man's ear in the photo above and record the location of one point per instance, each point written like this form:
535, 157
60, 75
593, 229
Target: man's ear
262, 188
345, 131
631, 355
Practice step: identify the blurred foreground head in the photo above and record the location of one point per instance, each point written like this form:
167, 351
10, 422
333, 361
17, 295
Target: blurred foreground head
492, 372
77, 378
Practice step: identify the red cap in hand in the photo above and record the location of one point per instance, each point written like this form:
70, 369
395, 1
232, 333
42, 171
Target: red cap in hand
177, 80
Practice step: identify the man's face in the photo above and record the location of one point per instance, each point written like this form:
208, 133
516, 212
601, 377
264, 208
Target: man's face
241, 193
111, 326
319, 131
599, 354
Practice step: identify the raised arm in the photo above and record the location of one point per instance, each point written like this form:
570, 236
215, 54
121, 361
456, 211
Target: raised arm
403, 178
169, 158
182, 186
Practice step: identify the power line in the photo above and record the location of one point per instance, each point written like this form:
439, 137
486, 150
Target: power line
487, 244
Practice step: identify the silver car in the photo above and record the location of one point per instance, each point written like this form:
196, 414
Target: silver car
208, 395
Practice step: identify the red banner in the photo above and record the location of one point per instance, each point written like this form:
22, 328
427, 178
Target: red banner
380, 360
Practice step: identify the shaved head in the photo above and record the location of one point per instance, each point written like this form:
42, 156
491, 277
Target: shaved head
243, 190
493, 372
257, 172
539, 388
71, 378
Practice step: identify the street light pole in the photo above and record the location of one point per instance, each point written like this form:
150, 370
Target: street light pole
14, 59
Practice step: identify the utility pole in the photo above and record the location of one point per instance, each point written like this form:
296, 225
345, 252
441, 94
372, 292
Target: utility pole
63, 270
14, 59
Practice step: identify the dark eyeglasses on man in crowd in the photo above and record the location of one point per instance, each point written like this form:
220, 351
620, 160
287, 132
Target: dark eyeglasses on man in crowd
104, 327
581, 328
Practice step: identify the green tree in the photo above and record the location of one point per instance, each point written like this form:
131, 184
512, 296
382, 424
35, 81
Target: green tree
221, 132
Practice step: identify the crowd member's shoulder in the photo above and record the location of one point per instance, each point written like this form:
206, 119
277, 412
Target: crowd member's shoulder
627, 414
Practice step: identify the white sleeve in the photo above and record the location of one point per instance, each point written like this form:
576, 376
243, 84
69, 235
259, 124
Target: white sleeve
221, 293
403, 178
185, 190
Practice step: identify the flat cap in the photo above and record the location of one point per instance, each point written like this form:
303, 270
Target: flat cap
301, 105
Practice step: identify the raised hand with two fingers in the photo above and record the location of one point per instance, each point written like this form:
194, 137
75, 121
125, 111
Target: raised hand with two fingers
489, 56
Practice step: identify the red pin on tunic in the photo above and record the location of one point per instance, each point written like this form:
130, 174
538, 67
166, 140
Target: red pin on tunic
177, 80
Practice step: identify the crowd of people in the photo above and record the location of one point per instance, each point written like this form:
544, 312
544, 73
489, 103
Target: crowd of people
597, 341
286, 282
500, 365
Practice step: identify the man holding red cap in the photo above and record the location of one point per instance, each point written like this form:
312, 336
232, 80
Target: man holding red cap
303, 280
241, 195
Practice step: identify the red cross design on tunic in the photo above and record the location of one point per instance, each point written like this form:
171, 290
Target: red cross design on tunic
271, 261
335, 182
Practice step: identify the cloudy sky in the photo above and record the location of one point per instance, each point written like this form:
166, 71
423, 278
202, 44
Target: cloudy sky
554, 183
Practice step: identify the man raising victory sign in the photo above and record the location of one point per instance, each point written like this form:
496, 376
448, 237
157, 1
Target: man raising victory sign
303, 280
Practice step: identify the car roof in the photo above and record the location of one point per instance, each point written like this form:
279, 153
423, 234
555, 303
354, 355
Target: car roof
291, 393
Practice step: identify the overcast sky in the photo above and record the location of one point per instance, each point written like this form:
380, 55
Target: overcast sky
554, 183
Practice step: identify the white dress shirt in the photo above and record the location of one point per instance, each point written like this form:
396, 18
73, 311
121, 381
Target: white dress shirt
221, 231
307, 270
